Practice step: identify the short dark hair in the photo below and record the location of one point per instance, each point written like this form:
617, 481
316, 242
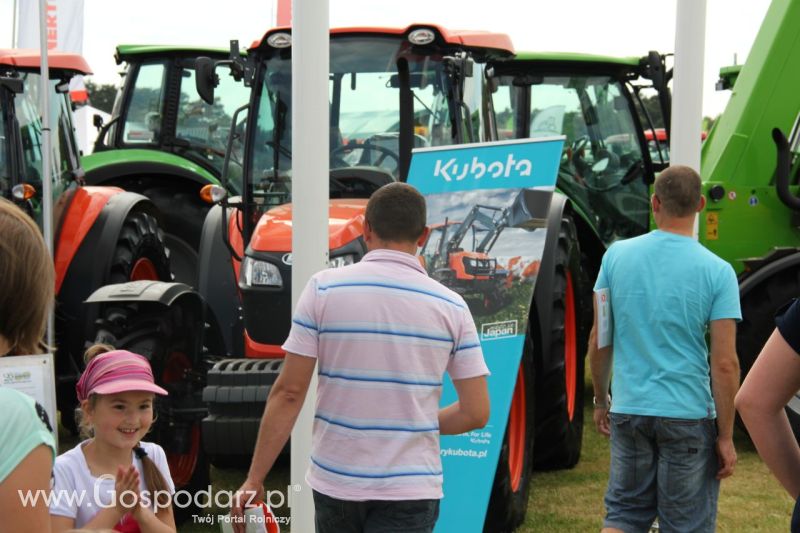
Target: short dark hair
678, 190
396, 213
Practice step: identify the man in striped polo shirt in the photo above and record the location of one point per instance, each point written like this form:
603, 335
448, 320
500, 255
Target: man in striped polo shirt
384, 334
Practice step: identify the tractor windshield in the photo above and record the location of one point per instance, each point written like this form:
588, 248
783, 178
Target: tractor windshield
602, 166
201, 130
364, 95
64, 159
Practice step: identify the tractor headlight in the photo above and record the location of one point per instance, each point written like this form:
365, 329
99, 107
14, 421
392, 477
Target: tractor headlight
342, 260
260, 273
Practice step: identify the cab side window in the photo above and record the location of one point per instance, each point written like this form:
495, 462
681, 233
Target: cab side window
143, 121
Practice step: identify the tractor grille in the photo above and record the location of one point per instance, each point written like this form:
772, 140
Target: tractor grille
480, 266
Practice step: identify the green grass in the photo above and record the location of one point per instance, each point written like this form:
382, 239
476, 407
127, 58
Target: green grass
571, 501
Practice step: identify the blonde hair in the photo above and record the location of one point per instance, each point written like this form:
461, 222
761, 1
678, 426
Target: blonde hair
27, 281
153, 478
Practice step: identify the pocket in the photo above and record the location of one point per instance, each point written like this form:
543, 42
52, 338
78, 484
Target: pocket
410, 515
328, 512
701, 432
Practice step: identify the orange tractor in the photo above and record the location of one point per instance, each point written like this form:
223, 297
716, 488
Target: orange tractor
102, 235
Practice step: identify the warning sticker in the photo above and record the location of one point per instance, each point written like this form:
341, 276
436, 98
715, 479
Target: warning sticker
712, 224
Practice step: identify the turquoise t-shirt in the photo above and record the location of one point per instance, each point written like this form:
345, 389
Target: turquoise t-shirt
664, 290
21, 430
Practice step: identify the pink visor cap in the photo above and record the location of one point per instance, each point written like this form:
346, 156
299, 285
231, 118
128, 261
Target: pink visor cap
117, 371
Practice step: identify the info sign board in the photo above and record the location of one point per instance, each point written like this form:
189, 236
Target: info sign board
33, 375
487, 210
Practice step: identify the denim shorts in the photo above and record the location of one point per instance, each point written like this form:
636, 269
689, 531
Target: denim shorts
664, 467
374, 516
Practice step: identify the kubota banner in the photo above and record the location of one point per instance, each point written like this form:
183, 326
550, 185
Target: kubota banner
64, 27
487, 209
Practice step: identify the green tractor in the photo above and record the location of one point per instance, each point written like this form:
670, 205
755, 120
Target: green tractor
752, 216
165, 142
602, 195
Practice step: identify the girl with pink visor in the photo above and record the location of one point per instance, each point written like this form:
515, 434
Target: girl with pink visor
114, 479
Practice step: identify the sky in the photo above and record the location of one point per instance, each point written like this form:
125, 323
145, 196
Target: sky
609, 27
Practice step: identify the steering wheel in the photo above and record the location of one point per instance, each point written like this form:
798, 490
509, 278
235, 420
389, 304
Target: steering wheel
339, 152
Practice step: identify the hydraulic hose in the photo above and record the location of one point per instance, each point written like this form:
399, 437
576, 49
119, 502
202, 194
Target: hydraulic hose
782, 167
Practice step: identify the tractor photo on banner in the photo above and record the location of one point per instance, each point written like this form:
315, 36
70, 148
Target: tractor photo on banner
487, 210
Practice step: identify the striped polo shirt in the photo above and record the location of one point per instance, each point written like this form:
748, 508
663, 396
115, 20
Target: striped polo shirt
384, 334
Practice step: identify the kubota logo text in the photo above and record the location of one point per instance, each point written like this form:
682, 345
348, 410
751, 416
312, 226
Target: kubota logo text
498, 330
452, 170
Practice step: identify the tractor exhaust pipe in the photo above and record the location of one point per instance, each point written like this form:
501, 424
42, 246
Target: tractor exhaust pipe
782, 167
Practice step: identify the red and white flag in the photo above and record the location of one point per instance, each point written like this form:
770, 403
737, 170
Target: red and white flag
64, 32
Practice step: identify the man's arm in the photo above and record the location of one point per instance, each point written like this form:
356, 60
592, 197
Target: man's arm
724, 383
600, 360
471, 411
768, 387
280, 413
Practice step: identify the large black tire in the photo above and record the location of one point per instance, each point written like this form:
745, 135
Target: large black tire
139, 253
140, 248
183, 214
162, 335
560, 370
508, 502
759, 306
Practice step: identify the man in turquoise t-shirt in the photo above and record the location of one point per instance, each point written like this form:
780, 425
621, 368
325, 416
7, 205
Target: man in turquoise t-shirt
671, 418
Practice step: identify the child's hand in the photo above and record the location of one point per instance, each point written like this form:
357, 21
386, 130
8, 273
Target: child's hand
126, 486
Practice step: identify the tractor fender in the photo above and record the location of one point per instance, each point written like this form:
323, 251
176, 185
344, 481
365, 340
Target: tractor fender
542, 294
753, 280
92, 225
217, 281
88, 238
115, 165
162, 292
85, 206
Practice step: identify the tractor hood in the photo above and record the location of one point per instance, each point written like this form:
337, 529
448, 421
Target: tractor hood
273, 233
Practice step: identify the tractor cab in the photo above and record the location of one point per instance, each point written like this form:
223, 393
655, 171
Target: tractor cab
21, 150
390, 91
158, 110
598, 104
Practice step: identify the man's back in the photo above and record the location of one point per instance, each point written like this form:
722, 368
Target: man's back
384, 334
665, 288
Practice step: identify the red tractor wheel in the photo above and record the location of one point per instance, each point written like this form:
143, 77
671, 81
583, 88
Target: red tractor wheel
140, 253
508, 502
559, 383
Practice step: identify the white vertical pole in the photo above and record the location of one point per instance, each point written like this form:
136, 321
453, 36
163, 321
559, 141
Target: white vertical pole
47, 184
310, 168
687, 85
14, 27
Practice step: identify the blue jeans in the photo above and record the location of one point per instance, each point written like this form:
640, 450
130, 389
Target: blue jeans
663, 467
374, 516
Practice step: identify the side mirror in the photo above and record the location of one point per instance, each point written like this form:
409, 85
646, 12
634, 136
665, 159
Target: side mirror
12, 84
97, 122
206, 79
